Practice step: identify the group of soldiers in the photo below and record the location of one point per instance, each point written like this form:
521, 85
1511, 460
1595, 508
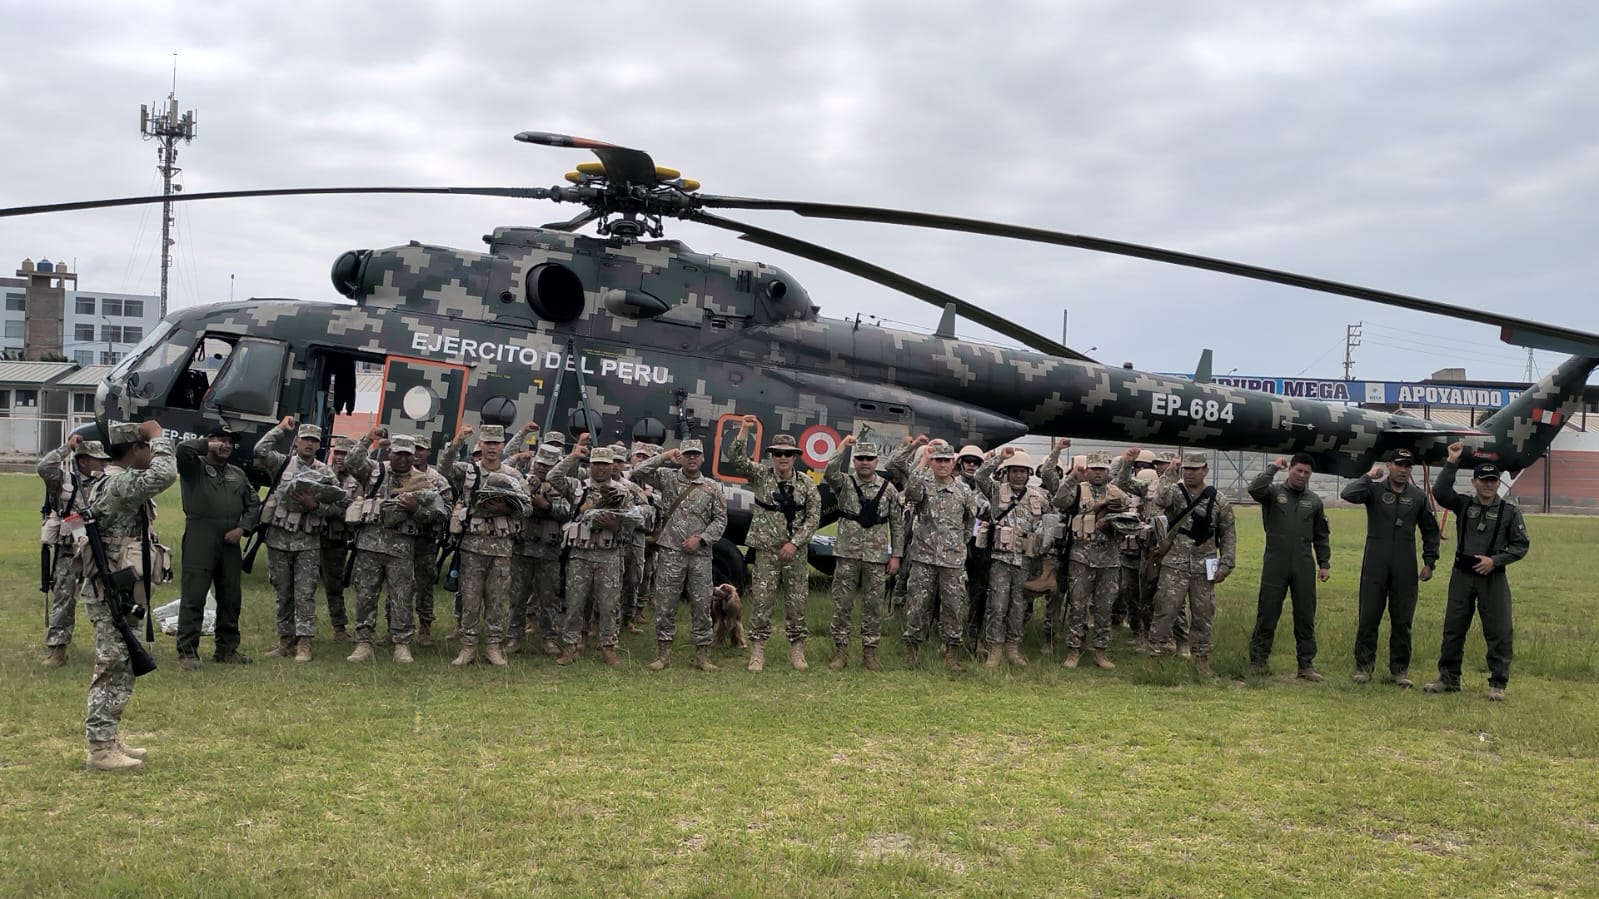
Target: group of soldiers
575, 543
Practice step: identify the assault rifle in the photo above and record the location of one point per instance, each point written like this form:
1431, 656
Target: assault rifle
116, 588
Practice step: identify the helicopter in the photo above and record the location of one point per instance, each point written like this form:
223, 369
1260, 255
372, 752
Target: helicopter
658, 341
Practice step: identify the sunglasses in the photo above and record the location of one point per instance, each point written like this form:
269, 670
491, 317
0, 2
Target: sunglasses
861, 458
784, 454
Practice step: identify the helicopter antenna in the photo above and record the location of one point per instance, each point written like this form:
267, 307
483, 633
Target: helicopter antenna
167, 127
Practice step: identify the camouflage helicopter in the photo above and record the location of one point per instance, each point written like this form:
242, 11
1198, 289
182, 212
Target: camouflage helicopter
663, 342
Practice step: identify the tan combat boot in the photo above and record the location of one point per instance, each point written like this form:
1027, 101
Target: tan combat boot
424, 635
551, 648
342, 634
912, 654
757, 657
363, 653
569, 654
285, 647
402, 654
492, 655
467, 655
105, 756
55, 657
132, 752
1103, 661
869, 659
1072, 655
951, 660
608, 655
1202, 665
993, 657
513, 646
796, 655
702, 658
840, 657
1013, 655
1044, 580
663, 656
302, 650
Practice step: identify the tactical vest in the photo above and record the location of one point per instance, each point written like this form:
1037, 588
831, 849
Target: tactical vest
72, 496
465, 521
871, 513
576, 534
288, 515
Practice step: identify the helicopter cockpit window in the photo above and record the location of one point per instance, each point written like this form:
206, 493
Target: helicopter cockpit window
152, 373
251, 379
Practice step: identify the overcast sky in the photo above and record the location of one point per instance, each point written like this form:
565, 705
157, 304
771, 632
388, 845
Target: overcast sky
1444, 149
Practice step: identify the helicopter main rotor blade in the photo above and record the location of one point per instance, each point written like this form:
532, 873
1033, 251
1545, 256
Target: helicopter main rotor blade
622, 164
526, 193
574, 223
1512, 330
887, 278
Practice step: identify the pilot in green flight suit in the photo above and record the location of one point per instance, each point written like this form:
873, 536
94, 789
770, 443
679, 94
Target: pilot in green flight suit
1296, 525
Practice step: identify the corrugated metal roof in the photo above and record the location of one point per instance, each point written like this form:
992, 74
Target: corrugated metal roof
33, 373
86, 377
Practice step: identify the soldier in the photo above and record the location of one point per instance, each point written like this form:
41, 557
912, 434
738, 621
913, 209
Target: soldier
1395, 509
1048, 580
1086, 497
787, 512
692, 517
68, 471
1298, 553
1199, 555
967, 461
336, 536
865, 548
944, 510
1014, 536
602, 508
426, 549
394, 504
123, 503
488, 526
294, 519
220, 508
634, 588
1490, 534
536, 567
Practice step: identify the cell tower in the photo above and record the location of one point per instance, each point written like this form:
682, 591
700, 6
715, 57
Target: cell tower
167, 127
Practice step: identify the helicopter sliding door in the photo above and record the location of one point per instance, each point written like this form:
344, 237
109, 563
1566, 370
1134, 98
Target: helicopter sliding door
423, 398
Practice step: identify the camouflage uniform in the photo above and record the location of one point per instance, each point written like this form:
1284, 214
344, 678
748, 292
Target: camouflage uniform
1014, 539
386, 539
942, 517
862, 549
1049, 476
68, 491
293, 535
426, 553
680, 574
536, 568
634, 549
1094, 557
487, 542
594, 555
1205, 533
117, 500
336, 536
770, 528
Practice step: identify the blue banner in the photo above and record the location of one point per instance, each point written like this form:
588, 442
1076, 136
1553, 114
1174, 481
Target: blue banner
1387, 393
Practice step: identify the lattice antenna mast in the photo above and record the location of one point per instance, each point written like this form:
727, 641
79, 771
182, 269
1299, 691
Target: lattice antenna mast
167, 128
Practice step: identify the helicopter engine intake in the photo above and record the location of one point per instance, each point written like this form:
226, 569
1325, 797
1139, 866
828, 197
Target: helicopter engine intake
555, 292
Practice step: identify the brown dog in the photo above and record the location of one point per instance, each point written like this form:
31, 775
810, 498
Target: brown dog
727, 616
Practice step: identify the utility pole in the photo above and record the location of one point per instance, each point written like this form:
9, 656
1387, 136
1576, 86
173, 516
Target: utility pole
167, 127
1532, 370
1351, 340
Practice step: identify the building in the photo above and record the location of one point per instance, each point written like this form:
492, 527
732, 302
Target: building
47, 318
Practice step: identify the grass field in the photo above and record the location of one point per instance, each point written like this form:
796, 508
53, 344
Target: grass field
327, 778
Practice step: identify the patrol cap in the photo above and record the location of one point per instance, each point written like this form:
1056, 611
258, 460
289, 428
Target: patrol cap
783, 443
491, 434
972, 450
1145, 456
1486, 471
640, 448
1097, 460
123, 432
1146, 475
1167, 457
314, 432
221, 431
1402, 455
94, 449
602, 455
864, 451
345, 444
940, 450
691, 445
422, 443
1019, 459
555, 438
547, 455
401, 444
1196, 460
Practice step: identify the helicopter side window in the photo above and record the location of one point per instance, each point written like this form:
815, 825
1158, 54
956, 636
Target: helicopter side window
251, 379
159, 359
189, 390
